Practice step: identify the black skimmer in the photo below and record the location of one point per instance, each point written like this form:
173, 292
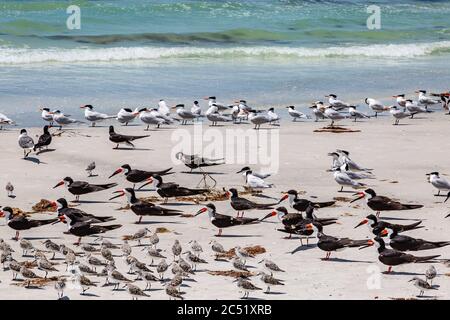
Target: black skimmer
438, 182
329, 243
19, 222
170, 189
137, 176
78, 188
94, 116
302, 204
295, 223
141, 208
44, 140
84, 228
405, 243
242, 204
122, 139
77, 214
376, 226
392, 257
25, 142
223, 221
382, 203
195, 161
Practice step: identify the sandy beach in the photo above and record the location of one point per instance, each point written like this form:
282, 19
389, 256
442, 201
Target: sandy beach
399, 155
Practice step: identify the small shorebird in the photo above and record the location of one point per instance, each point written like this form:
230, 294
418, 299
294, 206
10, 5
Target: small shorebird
269, 280
173, 292
53, 247
28, 275
161, 268
115, 277
430, 274
59, 286
45, 265
84, 283
271, 266
239, 264
422, 285
243, 254
135, 291
176, 249
194, 259
196, 247
154, 253
90, 168
126, 248
217, 248
246, 286
105, 243
148, 277
26, 246
9, 190
26, 143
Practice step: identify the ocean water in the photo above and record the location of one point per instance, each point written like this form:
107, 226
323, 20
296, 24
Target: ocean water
269, 52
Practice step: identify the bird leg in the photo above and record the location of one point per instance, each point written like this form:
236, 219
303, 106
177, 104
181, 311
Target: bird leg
17, 236
342, 188
378, 214
220, 233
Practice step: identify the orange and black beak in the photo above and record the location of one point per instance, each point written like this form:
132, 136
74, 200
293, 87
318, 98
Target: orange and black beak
121, 193
59, 184
360, 194
116, 172
228, 194
2, 214
149, 180
383, 233
62, 218
272, 214
309, 226
283, 198
54, 205
369, 244
200, 211
361, 223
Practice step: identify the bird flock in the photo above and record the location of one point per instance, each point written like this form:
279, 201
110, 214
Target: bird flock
83, 261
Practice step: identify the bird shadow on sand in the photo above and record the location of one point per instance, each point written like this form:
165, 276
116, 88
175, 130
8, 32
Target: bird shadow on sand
402, 273
89, 201
303, 248
45, 151
201, 173
346, 191
93, 175
179, 204
87, 294
238, 235
34, 160
251, 298
133, 149
275, 292
345, 260
40, 238
12, 196
159, 222
189, 280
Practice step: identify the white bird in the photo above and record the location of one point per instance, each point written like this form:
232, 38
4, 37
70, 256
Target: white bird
184, 114
25, 142
272, 115
10, 190
212, 101
355, 175
343, 179
438, 182
318, 109
213, 115
356, 113
47, 115
426, 100
334, 115
61, 119
5, 120
256, 174
255, 182
376, 105
398, 114
344, 157
94, 116
401, 100
196, 109
126, 115
258, 119
336, 103
414, 108
295, 114
163, 109
422, 285
151, 116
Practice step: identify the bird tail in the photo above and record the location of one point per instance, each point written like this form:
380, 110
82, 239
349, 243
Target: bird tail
248, 220
172, 212
138, 137
411, 206
47, 221
112, 226
426, 258
105, 219
413, 226
357, 243
441, 244
107, 185
164, 172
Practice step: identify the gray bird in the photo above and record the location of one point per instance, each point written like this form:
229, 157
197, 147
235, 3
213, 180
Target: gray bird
271, 266
10, 190
430, 274
270, 281
246, 286
26, 143
90, 168
217, 248
422, 285
135, 291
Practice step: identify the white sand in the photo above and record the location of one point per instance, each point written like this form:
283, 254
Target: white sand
402, 153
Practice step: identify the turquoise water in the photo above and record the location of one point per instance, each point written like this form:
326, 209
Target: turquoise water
266, 51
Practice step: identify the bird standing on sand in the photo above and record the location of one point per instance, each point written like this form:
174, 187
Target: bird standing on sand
271, 266
94, 116
62, 120
343, 179
406, 243
269, 280
59, 286
241, 204
376, 106
438, 182
5, 120
27, 275
430, 274
91, 166
217, 248
398, 114
356, 114
44, 140
78, 188
161, 268
135, 291
336, 103
123, 139
296, 114
246, 286
26, 143
422, 285
376, 226
47, 115
126, 115
9, 190
382, 203
176, 249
